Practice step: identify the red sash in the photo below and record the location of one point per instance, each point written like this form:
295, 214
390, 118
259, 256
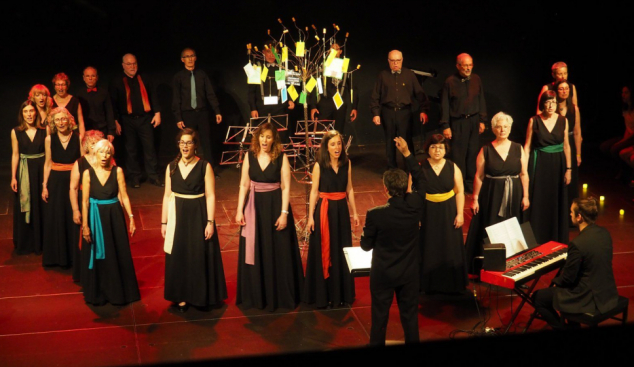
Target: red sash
144, 97
325, 229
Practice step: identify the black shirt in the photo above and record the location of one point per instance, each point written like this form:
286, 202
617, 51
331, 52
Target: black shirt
268, 86
462, 97
119, 100
397, 90
182, 97
97, 109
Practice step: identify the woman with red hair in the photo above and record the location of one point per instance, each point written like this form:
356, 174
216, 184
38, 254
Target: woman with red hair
63, 99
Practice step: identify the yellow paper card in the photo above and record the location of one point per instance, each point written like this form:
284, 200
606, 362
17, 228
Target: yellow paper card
331, 56
346, 61
311, 84
254, 78
300, 49
338, 100
265, 72
284, 54
292, 92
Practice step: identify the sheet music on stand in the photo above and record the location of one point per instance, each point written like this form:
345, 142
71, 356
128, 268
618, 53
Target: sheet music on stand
510, 234
359, 261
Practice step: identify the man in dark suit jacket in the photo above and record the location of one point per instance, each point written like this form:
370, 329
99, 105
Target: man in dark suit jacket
586, 283
392, 231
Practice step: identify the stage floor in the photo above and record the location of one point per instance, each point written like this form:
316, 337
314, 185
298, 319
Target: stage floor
44, 320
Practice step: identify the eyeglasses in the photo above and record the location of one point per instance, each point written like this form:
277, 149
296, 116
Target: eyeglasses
129, 63
189, 57
60, 84
395, 60
185, 143
550, 102
63, 119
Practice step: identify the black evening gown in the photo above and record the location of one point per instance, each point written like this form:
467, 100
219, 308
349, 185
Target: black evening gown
80, 257
193, 271
548, 213
60, 232
573, 186
491, 195
72, 106
111, 279
276, 278
339, 287
28, 237
442, 247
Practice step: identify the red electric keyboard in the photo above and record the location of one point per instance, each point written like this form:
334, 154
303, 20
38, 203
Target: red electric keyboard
528, 265
524, 267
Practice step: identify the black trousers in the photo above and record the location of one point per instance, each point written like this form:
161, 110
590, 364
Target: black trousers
543, 300
465, 145
136, 129
328, 111
199, 121
407, 300
396, 123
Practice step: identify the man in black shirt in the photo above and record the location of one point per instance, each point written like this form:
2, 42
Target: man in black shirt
136, 105
192, 94
96, 105
391, 103
586, 282
325, 108
392, 232
464, 114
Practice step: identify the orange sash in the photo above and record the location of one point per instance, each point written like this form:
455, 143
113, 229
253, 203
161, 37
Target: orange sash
62, 166
144, 97
325, 229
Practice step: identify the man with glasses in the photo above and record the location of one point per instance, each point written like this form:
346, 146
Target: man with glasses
135, 104
464, 114
192, 95
391, 103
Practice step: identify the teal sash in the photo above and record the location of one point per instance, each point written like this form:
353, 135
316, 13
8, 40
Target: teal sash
97, 251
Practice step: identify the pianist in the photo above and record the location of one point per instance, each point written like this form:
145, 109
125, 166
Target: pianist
392, 231
586, 283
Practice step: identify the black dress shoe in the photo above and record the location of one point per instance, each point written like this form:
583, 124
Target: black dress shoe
134, 183
156, 182
183, 308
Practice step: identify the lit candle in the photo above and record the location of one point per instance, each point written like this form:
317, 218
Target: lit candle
585, 186
601, 198
621, 212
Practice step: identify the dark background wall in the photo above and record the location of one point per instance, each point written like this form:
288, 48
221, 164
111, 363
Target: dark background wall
513, 45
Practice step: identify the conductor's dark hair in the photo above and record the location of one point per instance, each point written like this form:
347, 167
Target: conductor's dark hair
395, 181
324, 156
437, 139
587, 208
546, 96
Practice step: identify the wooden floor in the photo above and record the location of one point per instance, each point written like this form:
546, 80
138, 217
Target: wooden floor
44, 320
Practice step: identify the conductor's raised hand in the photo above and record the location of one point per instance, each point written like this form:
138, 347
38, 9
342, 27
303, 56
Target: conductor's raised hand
401, 145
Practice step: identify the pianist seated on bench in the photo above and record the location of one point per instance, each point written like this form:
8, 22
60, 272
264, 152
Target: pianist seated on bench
586, 283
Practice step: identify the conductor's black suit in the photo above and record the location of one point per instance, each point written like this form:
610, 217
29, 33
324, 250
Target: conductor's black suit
392, 231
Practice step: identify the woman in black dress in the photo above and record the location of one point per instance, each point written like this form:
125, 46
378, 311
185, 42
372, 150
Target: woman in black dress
270, 273
76, 174
27, 171
41, 97
443, 267
62, 150
549, 171
328, 279
193, 265
69, 102
571, 112
560, 74
500, 187
109, 276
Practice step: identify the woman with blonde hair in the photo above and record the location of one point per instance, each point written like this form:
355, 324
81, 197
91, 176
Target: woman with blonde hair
62, 150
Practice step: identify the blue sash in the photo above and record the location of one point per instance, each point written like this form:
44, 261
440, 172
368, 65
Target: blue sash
97, 251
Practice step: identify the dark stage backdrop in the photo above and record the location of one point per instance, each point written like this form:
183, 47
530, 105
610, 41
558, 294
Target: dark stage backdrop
513, 46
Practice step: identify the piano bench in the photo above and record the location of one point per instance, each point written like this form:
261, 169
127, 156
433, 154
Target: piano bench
594, 320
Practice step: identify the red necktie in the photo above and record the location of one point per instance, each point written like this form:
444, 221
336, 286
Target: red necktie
91, 89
